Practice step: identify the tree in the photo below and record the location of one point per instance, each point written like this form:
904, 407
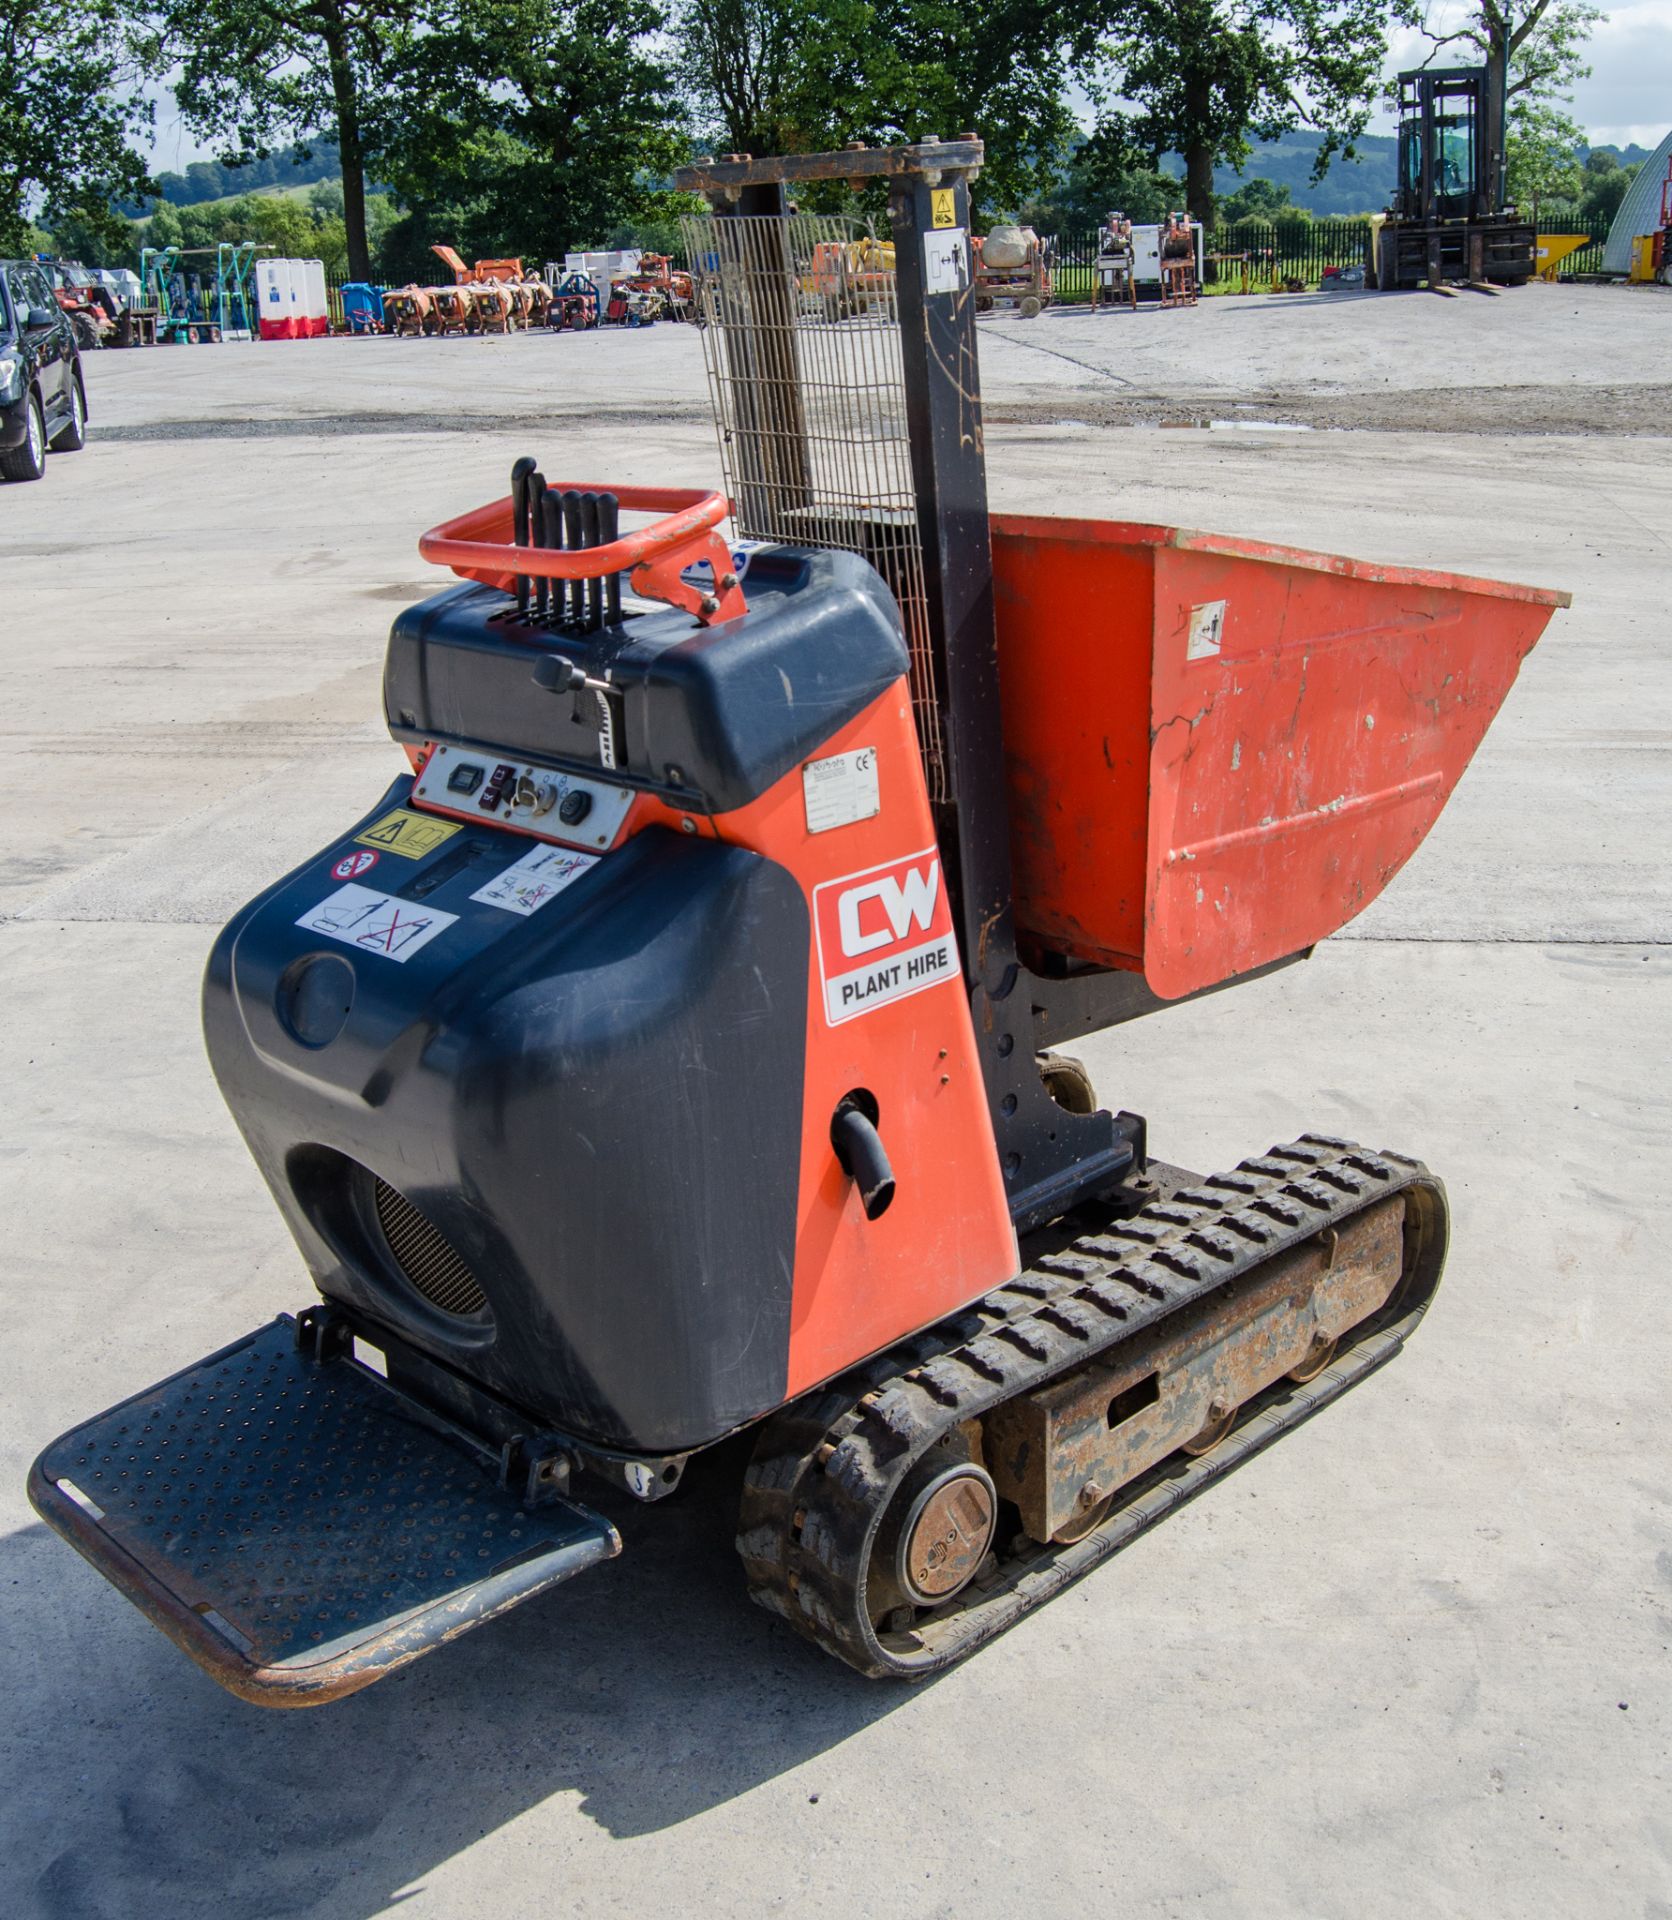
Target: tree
69, 109
1606, 181
253, 71
1540, 42
1541, 155
1259, 199
532, 126
799, 76
1203, 76
1104, 174
745, 71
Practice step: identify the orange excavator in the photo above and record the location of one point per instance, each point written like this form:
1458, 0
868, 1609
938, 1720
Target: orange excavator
675, 1050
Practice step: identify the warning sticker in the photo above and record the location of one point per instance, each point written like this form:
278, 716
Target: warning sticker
352, 865
943, 205
534, 879
840, 790
883, 934
409, 834
375, 923
1207, 630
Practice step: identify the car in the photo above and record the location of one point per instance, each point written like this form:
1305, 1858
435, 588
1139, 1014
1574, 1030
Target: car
43, 401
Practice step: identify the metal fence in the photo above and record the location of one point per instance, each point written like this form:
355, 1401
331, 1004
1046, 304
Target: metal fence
1259, 254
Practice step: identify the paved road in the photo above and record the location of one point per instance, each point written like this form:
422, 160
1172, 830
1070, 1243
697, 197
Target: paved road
1412, 1661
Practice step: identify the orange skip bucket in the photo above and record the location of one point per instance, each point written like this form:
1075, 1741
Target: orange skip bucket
1220, 751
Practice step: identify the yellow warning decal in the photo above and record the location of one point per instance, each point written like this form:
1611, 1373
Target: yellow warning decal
944, 207
409, 834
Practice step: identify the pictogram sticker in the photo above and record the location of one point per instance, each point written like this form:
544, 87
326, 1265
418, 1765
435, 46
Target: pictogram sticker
946, 261
1207, 630
943, 204
409, 834
537, 877
883, 934
352, 865
376, 923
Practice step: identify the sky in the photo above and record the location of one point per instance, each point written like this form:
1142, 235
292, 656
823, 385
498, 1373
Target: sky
1627, 98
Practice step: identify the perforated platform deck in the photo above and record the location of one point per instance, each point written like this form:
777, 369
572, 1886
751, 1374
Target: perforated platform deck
298, 1526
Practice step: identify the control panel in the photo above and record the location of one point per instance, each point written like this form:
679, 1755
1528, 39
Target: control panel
477, 783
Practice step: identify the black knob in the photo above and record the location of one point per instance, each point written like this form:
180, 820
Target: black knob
575, 805
556, 674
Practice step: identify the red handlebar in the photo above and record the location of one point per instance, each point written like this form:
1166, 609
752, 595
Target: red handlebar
479, 546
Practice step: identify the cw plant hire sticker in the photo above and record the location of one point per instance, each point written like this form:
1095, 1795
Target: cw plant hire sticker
409, 834
883, 934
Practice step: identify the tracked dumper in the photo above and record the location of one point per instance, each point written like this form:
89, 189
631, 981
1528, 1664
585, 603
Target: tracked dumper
675, 1049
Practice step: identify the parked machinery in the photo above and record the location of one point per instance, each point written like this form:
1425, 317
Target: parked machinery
1449, 219
1651, 250
633, 306
1178, 248
657, 275
1012, 269
1116, 283
493, 296
494, 307
575, 305
92, 311
455, 309
410, 311
236, 312
363, 307
536, 302
849, 275
673, 1051
175, 295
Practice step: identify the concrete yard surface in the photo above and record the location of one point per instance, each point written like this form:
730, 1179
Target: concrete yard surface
1412, 1661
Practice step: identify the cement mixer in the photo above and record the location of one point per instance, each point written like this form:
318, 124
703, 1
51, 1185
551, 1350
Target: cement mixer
1012, 269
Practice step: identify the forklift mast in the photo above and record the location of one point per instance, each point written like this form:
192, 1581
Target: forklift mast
1449, 217
871, 440
1451, 143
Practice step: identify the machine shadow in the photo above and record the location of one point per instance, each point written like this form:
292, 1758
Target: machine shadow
648, 1690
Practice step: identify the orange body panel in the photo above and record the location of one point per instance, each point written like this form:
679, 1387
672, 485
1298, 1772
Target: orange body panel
1220, 751
860, 1284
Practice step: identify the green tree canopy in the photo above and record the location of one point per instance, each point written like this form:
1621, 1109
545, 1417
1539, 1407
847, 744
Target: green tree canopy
805, 76
1203, 78
1606, 181
1104, 175
252, 72
1541, 42
70, 110
1259, 199
1541, 156
534, 126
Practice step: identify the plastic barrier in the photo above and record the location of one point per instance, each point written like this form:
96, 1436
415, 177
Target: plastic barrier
273, 290
316, 308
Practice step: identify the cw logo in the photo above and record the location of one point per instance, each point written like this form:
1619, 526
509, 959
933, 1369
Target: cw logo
903, 903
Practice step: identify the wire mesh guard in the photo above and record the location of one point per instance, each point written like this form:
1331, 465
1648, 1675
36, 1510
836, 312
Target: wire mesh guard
802, 342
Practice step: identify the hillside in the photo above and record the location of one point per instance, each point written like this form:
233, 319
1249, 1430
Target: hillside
1360, 185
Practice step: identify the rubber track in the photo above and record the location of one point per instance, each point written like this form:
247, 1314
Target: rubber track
827, 1466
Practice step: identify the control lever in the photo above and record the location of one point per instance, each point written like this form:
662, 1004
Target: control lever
521, 474
557, 675
537, 535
